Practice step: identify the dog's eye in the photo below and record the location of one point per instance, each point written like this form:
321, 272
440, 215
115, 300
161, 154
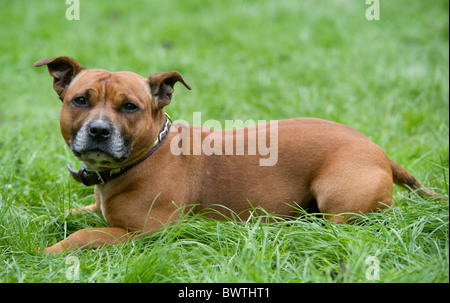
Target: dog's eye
80, 101
130, 108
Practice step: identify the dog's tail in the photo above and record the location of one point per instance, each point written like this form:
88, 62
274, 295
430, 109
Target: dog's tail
404, 179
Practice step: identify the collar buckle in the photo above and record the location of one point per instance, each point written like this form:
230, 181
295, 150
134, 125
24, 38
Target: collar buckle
99, 176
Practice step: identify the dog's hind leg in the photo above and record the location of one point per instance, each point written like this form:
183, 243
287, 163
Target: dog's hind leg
348, 190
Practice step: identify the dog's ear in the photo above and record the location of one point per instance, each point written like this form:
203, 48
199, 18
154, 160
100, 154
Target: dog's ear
161, 87
63, 70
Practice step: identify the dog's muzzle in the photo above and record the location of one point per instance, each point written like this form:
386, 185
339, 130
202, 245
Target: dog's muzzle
100, 142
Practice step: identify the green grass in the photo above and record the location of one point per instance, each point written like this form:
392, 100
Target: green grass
258, 60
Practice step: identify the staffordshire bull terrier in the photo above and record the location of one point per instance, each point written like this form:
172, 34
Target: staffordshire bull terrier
116, 125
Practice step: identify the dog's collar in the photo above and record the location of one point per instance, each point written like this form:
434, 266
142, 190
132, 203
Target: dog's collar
90, 178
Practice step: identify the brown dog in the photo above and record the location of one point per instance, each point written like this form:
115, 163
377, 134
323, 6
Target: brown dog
147, 170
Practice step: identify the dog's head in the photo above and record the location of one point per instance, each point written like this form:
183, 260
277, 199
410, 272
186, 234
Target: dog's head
109, 120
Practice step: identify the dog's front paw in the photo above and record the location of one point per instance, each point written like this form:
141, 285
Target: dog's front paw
89, 208
54, 249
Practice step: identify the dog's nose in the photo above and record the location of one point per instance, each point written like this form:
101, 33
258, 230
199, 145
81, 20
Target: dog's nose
99, 130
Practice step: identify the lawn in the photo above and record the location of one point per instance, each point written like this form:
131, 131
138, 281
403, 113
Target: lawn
258, 60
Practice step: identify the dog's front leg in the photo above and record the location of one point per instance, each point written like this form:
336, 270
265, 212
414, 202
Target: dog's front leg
89, 208
91, 238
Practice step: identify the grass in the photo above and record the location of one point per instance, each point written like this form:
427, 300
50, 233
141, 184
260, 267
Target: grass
258, 60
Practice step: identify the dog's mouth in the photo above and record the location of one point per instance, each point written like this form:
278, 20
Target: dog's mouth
98, 158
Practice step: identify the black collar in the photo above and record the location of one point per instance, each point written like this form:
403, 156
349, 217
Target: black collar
89, 178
